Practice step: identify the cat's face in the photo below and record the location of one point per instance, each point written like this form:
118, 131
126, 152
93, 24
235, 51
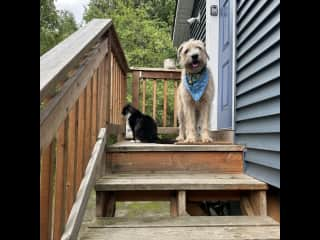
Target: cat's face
126, 111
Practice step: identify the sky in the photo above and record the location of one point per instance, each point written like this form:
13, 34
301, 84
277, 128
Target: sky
74, 6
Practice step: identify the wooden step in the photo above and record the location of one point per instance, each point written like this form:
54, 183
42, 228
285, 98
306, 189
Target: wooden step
128, 146
184, 228
125, 157
178, 181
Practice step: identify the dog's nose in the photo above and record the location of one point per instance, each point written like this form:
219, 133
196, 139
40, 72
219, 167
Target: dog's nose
195, 56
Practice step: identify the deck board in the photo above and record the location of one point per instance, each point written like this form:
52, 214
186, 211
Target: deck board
128, 146
178, 228
177, 181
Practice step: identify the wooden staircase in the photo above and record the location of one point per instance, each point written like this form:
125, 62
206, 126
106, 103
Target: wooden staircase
184, 175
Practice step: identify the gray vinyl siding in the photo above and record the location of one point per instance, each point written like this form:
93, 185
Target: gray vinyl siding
257, 118
198, 30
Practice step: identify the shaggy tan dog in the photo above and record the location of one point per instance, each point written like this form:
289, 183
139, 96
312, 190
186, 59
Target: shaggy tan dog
193, 113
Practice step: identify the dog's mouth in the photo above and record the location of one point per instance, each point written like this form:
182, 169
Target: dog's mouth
195, 64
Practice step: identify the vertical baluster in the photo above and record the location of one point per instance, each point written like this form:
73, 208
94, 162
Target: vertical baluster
165, 89
175, 103
87, 128
80, 139
135, 89
60, 194
144, 95
46, 192
154, 102
70, 190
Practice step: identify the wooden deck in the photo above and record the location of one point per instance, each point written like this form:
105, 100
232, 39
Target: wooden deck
184, 228
116, 182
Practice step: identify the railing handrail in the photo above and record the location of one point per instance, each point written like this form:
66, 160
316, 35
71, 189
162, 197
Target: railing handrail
57, 61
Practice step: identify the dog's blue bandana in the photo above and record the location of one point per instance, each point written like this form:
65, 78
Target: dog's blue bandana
196, 83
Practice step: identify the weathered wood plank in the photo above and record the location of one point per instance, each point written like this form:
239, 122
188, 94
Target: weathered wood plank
116, 182
135, 89
80, 139
183, 221
201, 195
186, 233
127, 146
108, 62
87, 127
154, 101
142, 195
181, 202
144, 96
94, 110
273, 206
59, 60
173, 206
78, 209
165, 94
46, 191
71, 170
58, 108
146, 69
246, 207
258, 202
60, 196
214, 162
158, 73
175, 104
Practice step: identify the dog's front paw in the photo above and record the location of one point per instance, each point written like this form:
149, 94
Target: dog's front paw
206, 139
190, 139
180, 138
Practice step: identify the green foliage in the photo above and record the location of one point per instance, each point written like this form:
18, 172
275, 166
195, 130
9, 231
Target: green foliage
54, 25
144, 35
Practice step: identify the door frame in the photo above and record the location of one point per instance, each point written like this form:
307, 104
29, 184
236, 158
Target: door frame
212, 45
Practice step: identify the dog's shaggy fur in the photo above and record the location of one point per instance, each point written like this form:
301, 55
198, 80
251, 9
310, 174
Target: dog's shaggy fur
193, 116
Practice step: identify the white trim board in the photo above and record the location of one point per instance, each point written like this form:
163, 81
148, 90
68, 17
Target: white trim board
212, 46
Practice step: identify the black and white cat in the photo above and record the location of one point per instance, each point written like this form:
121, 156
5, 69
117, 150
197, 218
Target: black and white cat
144, 127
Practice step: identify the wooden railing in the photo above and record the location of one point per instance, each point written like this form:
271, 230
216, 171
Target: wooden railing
169, 79
82, 90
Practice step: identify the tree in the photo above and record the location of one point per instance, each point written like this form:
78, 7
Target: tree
145, 39
54, 25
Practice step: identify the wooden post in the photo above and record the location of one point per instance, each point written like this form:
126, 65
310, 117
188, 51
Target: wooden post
173, 205
254, 204
105, 204
258, 202
135, 89
181, 199
165, 92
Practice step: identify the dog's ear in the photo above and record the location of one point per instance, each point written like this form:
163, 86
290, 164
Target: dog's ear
179, 51
205, 51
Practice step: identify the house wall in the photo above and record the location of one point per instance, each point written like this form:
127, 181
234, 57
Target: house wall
257, 117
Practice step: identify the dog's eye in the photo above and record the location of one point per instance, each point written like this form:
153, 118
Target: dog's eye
199, 48
186, 51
